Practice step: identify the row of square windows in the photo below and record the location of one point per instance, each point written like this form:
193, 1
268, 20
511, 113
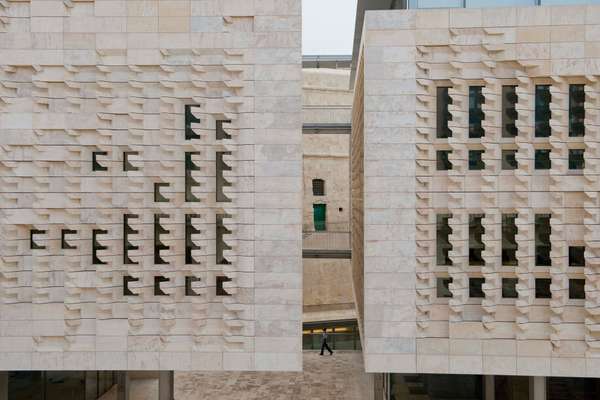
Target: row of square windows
509, 288
543, 246
509, 160
543, 98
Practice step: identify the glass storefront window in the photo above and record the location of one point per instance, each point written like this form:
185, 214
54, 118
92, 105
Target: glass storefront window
436, 387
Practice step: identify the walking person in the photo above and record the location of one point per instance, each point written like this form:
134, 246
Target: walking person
324, 344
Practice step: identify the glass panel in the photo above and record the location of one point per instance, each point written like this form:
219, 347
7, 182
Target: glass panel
91, 385
475, 287
476, 115
542, 240
65, 385
509, 159
511, 387
576, 256
25, 385
576, 159
576, 110
509, 241
542, 288
475, 160
542, 110
442, 161
542, 159
559, 2
443, 288
476, 245
509, 288
443, 245
509, 111
572, 389
436, 387
443, 115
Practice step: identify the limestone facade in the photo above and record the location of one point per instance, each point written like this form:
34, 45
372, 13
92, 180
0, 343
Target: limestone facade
398, 192
150, 185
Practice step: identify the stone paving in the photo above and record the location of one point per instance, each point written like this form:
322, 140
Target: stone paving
340, 376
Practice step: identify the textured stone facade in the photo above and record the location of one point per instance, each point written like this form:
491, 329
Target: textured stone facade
405, 57
150, 185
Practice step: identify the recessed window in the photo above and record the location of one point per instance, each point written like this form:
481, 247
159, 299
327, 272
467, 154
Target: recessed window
64, 244
509, 111
221, 243
576, 256
576, 110
577, 289
476, 287
476, 245
509, 239
190, 244
33, 245
443, 113
127, 165
443, 245
509, 288
189, 290
318, 187
158, 281
542, 159
158, 196
443, 287
542, 240
126, 281
576, 159
190, 182
220, 288
542, 110
476, 115
159, 245
542, 288
476, 160
97, 246
221, 180
190, 119
96, 166
442, 161
509, 159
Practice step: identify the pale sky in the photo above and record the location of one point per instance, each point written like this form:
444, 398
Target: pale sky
328, 26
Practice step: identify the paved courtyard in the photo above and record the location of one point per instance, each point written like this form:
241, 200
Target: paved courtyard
340, 376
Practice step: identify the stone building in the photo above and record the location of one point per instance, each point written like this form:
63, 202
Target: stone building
150, 185
475, 209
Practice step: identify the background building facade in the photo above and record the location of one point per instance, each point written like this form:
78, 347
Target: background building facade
474, 184
151, 197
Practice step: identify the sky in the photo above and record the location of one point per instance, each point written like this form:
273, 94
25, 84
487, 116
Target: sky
328, 26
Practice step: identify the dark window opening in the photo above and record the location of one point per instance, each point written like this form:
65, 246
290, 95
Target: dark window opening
509, 288
320, 217
127, 165
542, 110
476, 245
126, 281
443, 287
32, 243
476, 114
576, 110
576, 159
220, 289
159, 246
318, 187
542, 240
222, 182
127, 245
96, 166
576, 256
189, 290
190, 119
542, 288
190, 245
443, 113
542, 159
476, 160
442, 161
443, 245
63, 239
509, 111
509, 240
96, 246
476, 287
158, 196
221, 132
509, 159
577, 289
159, 280
221, 243
190, 182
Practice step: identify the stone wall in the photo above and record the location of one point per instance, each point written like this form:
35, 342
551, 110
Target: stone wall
407, 327
112, 114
